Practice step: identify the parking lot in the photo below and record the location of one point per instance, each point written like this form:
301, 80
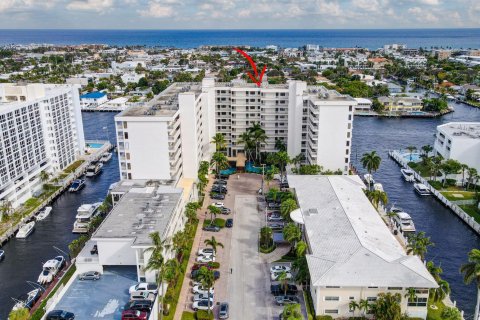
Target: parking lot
101, 299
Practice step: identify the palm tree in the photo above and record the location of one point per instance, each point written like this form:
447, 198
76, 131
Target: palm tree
292, 311
280, 145
434, 270
301, 248
472, 174
411, 149
443, 290
156, 263
44, 176
353, 306
283, 279
363, 305
258, 137
287, 207
426, 151
266, 234
219, 141
213, 213
411, 294
19, 314
219, 161
207, 279
180, 243
191, 211
6, 207
377, 196
463, 168
213, 243
300, 266
245, 139
292, 233
471, 273
450, 167
418, 244
171, 271
371, 162
298, 159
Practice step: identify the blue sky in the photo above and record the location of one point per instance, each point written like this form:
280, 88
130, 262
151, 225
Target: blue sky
235, 14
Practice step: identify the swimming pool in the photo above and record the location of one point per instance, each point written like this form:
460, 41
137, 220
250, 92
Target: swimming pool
414, 157
94, 145
228, 171
249, 167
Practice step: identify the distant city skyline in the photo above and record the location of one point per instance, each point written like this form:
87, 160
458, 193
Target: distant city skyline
238, 14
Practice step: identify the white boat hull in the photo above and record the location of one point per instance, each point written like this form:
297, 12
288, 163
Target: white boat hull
25, 230
44, 214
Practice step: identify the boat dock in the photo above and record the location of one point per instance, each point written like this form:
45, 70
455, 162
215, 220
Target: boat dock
467, 219
63, 184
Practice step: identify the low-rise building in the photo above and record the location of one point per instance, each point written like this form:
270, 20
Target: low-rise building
93, 99
352, 255
131, 77
459, 141
117, 104
363, 105
401, 104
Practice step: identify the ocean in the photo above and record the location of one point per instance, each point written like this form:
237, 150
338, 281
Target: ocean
365, 38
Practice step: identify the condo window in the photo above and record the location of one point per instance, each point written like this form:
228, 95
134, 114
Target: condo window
394, 288
371, 299
331, 311
332, 298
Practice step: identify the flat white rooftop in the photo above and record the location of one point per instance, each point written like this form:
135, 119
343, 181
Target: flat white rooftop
465, 130
351, 245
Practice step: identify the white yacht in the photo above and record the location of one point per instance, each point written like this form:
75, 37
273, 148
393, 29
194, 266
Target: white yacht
106, 157
422, 189
84, 214
407, 175
50, 269
403, 221
25, 230
369, 179
94, 169
44, 213
29, 301
77, 185
378, 186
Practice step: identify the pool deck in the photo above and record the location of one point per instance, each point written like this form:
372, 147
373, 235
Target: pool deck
102, 299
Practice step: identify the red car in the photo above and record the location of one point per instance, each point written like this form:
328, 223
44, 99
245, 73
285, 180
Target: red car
134, 315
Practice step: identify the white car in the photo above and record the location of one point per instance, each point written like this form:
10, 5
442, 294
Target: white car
202, 305
275, 275
206, 258
201, 296
206, 252
201, 289
279, 269
144, 286
218, 204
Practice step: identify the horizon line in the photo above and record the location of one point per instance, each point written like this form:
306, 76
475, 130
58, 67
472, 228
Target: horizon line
232, 29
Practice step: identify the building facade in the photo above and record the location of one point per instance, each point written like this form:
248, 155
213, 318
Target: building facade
459, 141
352, 255
41, 130
168, 137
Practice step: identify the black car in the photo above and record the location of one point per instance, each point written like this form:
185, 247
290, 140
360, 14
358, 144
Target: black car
194, 274
140, 305
278, 289
60, 315
219, 190
229, 223
222, 177
217, 196
220, 182
211, 228
281, 300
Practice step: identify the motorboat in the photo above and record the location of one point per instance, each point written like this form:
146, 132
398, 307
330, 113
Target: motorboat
44, 213
25, 230
2, 255
378, 186
29, 301
94, 169
408, 175
85, 213
403, 221
422, 189
50, 270
77, 185
369, 179
106, 157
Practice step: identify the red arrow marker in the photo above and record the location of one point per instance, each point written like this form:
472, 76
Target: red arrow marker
257, 79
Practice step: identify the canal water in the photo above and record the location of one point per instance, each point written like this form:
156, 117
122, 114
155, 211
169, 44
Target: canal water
452, 238
25, 257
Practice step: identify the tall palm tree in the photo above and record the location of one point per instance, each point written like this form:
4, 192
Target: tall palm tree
292, 233
258, 137
287, 207
180, 243
434, 270
443, 290
301, 248
472, 174
411, 294
219, 161
266, 234
213, 243
427, 149
156, 263
213, 213
471, 273
283, 279
171, 271
292, 311
364, 305
219, 141
245, 139
207, 279
418, 244
463, 168
371, 162
300, 266
353, 306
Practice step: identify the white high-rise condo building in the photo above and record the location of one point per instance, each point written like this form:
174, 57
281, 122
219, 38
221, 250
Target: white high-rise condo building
169, 136
41, 130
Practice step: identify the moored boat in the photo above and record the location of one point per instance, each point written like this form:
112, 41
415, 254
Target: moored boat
94, 169
106, 157
407, 175
25, 230
44, 213
369, 181
84, 214
77, 185
29, 301
421, 189
403, 221
50, 269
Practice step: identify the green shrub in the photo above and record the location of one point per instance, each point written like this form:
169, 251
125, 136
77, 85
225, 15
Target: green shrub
451, 314
268, 249
204, 315
214, 265
219, 222
188, 315
324, 318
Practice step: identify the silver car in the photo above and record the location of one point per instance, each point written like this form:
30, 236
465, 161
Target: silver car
223, 311
90, 275
202, 296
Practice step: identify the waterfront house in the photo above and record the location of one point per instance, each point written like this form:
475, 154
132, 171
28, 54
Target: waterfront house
401, 104
93, 99
352, 255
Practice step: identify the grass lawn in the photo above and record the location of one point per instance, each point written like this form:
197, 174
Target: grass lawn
449, 194
472, 210
420, 168
73, 166
219, 222
188, 315
435, 314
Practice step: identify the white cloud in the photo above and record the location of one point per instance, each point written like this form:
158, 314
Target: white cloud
157, 10
430, 2
20, 5
90, 5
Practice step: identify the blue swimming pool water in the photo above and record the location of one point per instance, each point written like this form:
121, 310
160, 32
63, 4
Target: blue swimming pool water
249, 167
228, 171
414, 157
94, 145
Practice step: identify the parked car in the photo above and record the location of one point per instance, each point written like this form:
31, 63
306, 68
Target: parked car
206, 258
226, 210
279, 268
211, 228
281, 300
139, 305
273, 205
218, 204
220, 182
217, 196
278, 289
219, 189
134, 315
60, 315
90, 275
223, 311
197, 266
201, 296
201, 289
274, 275
205, 251
229, 223
144, 286
94, 250
276, 225
194, 275
142, 295
275, 218
202, 305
